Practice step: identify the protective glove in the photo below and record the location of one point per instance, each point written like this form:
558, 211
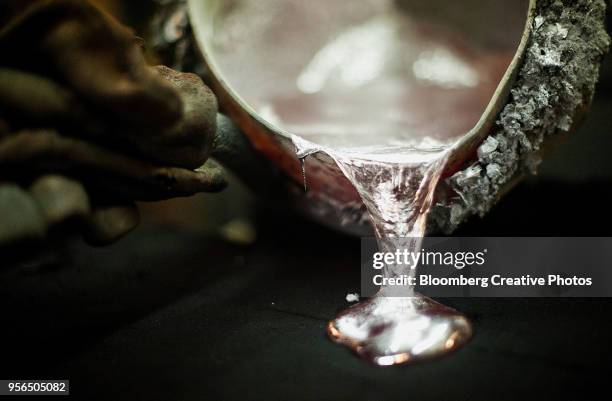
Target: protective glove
87, 127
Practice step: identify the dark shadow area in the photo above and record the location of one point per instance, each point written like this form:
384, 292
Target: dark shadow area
169, 314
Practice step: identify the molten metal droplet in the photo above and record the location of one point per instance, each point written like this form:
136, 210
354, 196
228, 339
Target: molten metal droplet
391, 331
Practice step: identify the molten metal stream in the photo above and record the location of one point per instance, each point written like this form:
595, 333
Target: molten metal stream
386, 97
397, 325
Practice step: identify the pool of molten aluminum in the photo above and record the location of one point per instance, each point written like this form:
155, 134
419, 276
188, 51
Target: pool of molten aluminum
386, 97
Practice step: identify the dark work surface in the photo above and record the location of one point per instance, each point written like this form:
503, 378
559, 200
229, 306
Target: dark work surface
171, 315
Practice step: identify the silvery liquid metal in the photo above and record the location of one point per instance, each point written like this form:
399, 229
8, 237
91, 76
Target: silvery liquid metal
397, 186
386, 97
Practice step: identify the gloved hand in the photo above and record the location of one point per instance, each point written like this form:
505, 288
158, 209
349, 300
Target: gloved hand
87, 127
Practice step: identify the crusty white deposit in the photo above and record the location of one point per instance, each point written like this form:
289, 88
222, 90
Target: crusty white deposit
557, 79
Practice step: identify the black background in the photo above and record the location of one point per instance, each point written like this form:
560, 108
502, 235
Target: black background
172, 314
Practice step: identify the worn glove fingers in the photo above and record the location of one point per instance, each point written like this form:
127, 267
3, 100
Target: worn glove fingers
20, 216
189, 142
30, 214
60, 199
39, 102
107, 224
126, 177
35, 101
95, 56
